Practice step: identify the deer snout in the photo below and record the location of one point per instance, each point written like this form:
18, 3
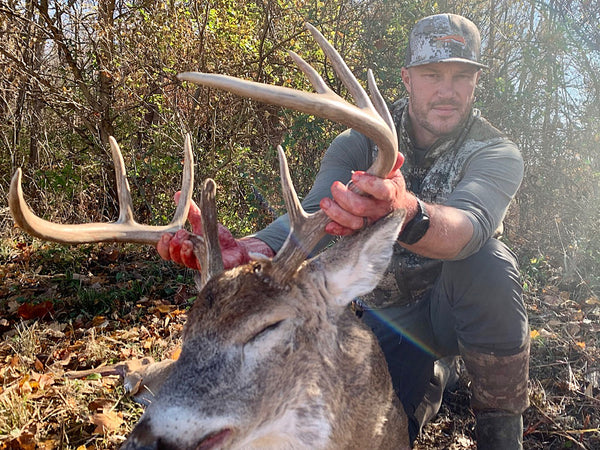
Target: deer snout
142, 438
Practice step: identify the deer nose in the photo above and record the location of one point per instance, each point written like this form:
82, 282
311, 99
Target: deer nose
142, 438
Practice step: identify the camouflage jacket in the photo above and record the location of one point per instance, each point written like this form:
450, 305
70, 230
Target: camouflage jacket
477, 170
433, 176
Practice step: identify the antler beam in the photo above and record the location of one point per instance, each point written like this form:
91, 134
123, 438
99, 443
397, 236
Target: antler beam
125, 229
370, 118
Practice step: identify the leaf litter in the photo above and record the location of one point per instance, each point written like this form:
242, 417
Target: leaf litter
67, 340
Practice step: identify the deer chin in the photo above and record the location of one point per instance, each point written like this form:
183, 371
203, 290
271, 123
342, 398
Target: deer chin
214, 440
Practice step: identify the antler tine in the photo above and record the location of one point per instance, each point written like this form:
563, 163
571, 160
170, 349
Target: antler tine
306, 230
370, 120
207, 248
341, 69
125, 229
381, 164
123, 190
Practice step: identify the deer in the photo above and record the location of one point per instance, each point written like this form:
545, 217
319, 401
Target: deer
272, 355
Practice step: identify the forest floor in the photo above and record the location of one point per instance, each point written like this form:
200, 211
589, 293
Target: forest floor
63, 310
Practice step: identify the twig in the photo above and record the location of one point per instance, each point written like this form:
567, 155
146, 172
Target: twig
557, 432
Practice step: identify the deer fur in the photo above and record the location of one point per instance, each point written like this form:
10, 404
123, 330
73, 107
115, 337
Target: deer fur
288, 366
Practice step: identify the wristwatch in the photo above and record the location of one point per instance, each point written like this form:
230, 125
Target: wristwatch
416, 228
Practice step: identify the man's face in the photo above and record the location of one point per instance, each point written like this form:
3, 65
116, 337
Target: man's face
440, 98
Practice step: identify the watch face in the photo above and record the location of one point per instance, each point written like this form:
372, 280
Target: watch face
418, 230
417, 227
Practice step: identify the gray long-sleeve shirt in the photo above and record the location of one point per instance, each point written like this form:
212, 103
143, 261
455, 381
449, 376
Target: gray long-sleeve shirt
477, 170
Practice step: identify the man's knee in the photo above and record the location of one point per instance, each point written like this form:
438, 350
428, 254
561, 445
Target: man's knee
484, 295
493, 267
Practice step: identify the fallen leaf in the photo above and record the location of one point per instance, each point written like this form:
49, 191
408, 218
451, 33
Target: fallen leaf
48, 444
99, 322
176, 353
535, 334
14, 361
25, 386
106, 421
165, 309
592, 301
126, 352
101, 404
43, 379
29, 311
27, 439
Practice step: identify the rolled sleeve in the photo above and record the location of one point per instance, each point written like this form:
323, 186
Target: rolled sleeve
491, 179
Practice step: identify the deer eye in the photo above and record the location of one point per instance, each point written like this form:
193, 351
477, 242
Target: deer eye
265, 330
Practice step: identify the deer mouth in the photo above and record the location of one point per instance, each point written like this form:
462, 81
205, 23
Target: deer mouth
214, 440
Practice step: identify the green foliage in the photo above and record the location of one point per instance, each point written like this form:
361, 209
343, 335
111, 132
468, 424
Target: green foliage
62, 94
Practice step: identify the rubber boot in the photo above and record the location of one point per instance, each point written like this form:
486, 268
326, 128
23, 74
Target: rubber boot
446, 372
498, 397
499, 431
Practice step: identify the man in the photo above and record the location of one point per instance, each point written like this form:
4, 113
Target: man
452, 287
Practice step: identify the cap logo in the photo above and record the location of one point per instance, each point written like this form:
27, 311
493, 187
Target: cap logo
452, 38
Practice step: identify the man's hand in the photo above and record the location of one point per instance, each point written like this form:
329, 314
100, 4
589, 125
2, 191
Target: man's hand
179, 247
350, 211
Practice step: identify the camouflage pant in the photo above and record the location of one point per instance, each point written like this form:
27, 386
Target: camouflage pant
475, 308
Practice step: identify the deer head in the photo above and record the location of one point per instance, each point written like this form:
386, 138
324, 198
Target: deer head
269, 364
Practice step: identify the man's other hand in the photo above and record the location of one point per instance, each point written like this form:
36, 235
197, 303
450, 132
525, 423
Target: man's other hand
350, 211
179, 248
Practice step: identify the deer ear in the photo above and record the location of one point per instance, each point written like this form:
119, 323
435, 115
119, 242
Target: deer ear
354, 265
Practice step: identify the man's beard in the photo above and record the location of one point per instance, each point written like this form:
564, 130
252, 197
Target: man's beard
440, 128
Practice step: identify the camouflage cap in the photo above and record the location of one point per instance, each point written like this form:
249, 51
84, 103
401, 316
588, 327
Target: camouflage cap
444, 38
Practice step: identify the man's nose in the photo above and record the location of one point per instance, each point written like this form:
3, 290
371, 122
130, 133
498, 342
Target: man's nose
446, 88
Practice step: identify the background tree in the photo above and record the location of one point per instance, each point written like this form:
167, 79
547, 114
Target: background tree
73, 73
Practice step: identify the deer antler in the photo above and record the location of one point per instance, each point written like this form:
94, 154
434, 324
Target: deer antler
207, 248
125, 229
371, 118
306, 230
